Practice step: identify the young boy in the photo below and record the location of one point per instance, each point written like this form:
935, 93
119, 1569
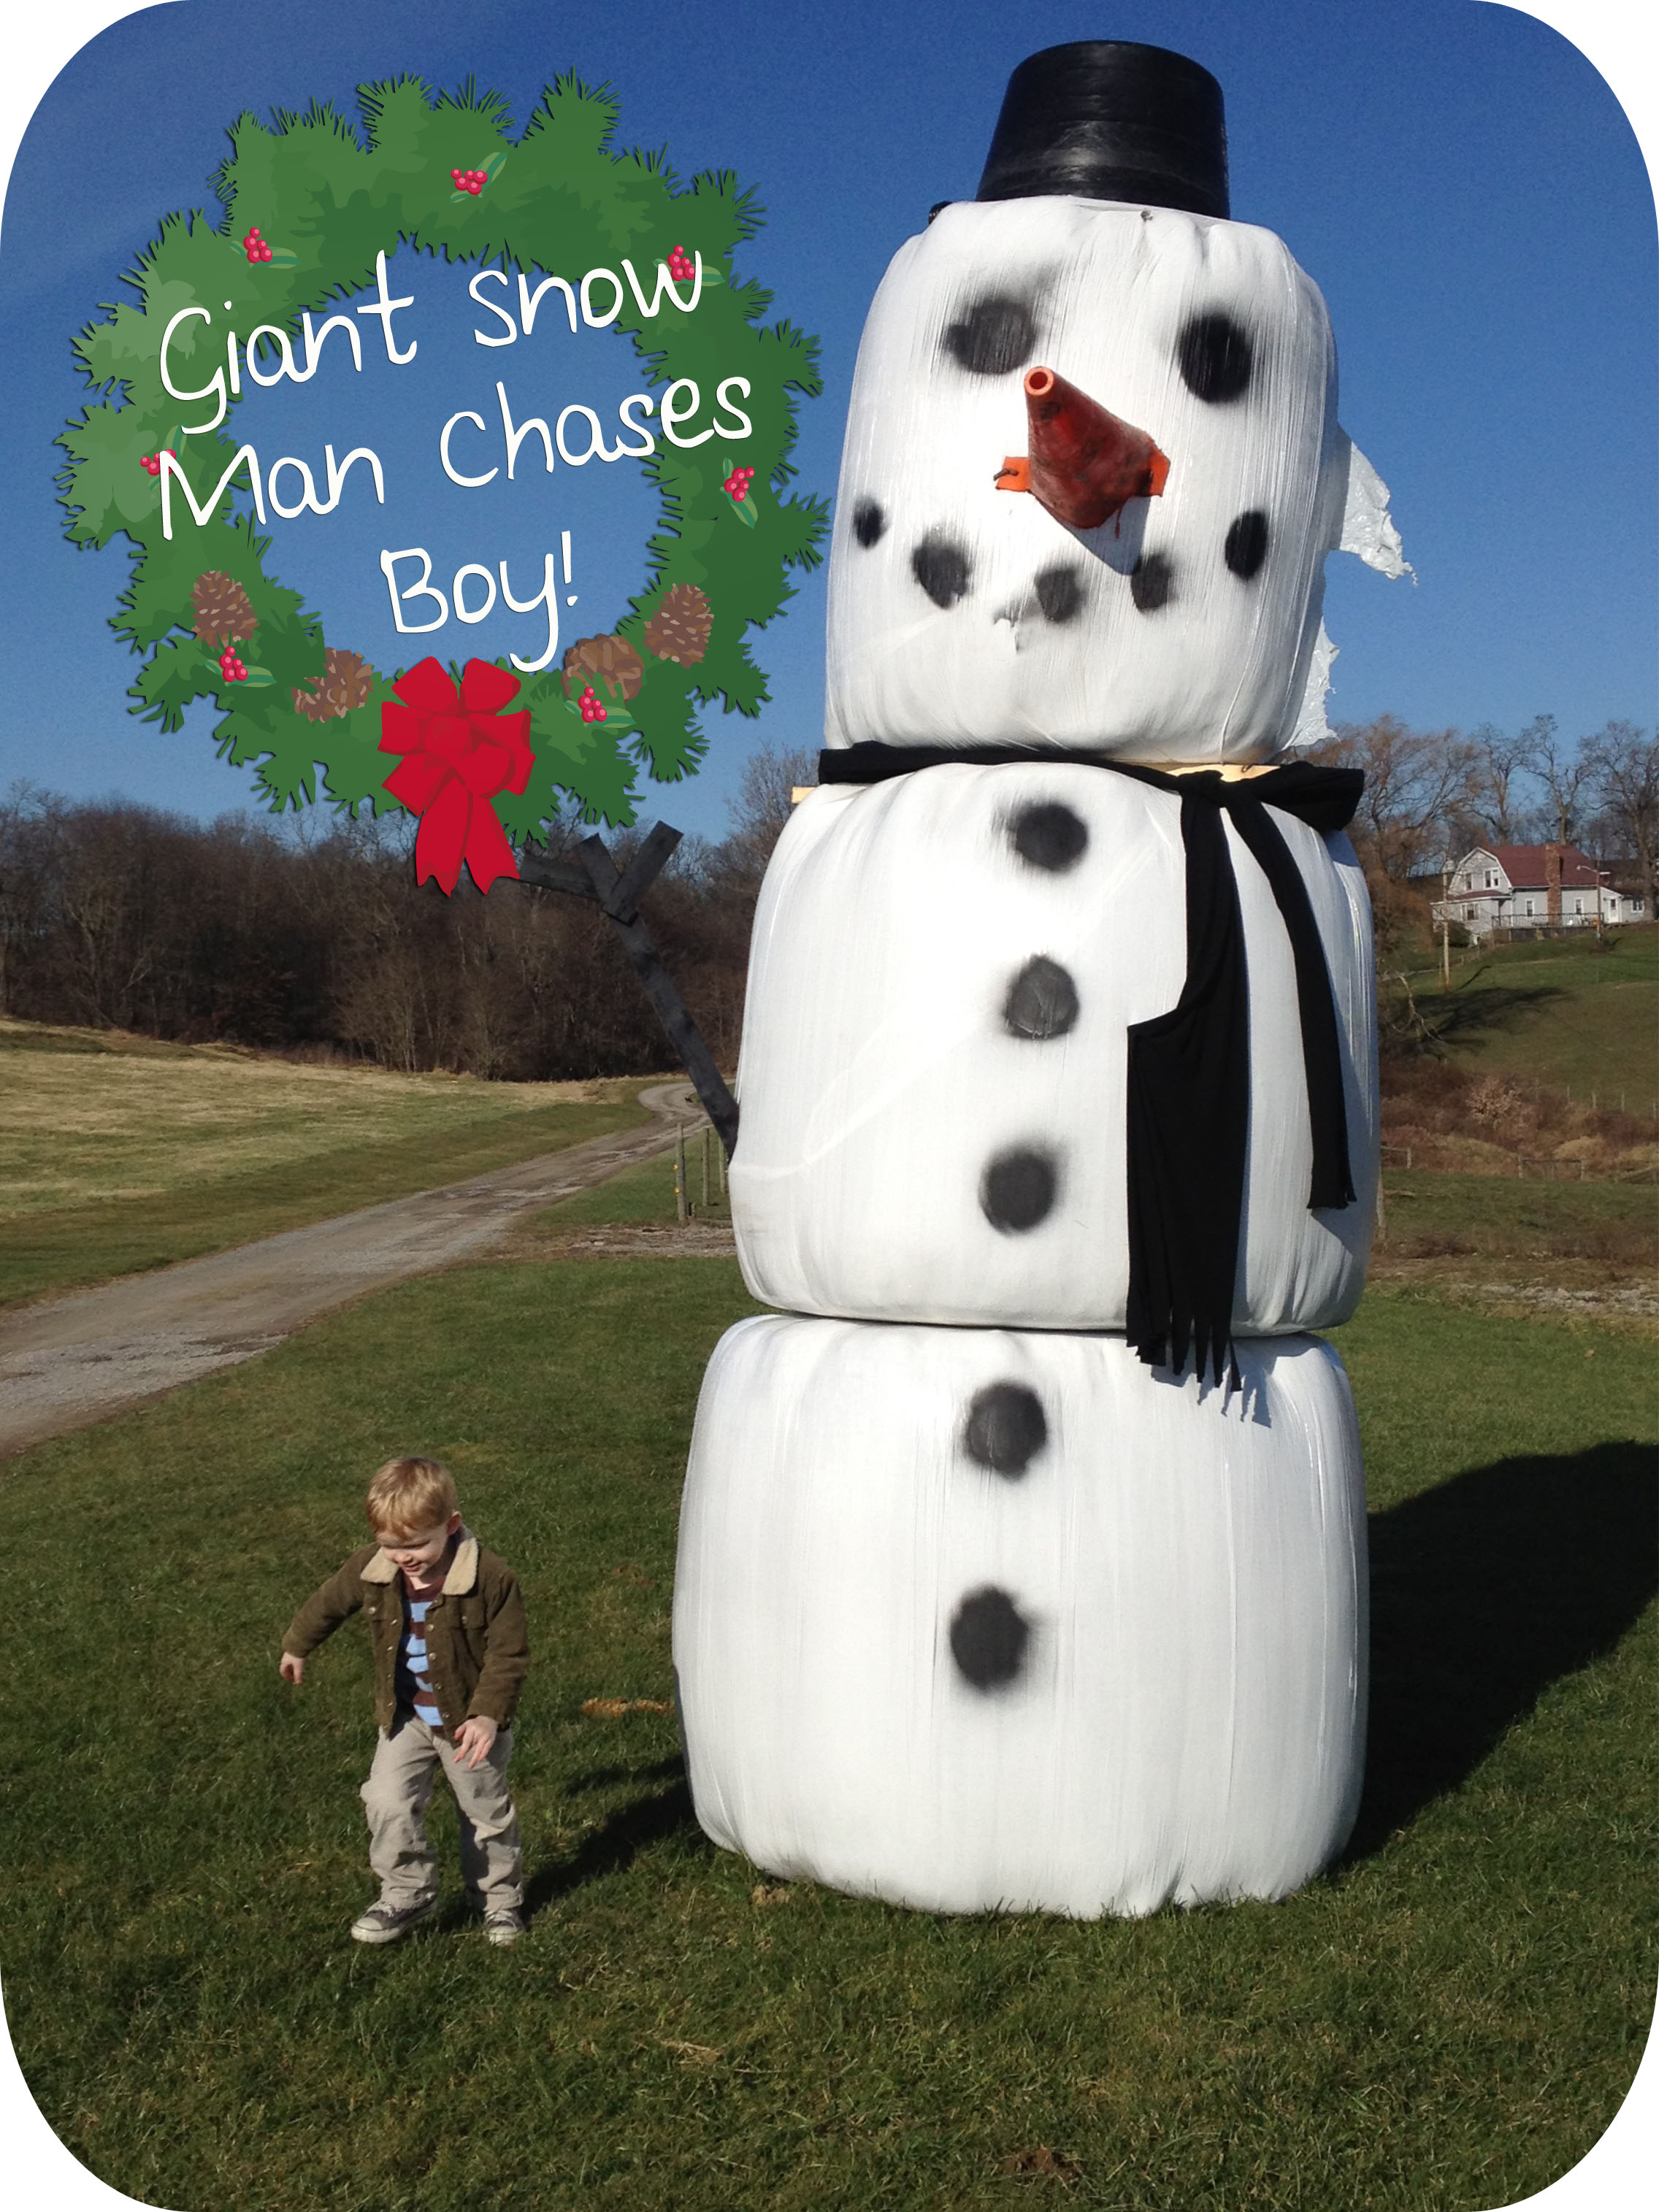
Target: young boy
450, 1656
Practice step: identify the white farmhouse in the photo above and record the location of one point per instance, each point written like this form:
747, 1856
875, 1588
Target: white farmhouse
1532, 887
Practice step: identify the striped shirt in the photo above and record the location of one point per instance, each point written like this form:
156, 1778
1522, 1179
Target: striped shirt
414, 1684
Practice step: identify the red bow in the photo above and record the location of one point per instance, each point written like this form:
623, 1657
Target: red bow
460, 751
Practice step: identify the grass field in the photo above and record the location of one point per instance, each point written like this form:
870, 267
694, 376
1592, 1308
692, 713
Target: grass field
1558, 1012
121, 1154
1446, 2020
1429, 1216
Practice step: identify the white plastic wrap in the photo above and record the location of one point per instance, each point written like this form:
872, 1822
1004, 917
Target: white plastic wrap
881, 1077
974, 1619
1182, 629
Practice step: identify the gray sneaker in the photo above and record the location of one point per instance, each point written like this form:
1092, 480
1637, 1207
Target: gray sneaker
384, 1923
503, 1925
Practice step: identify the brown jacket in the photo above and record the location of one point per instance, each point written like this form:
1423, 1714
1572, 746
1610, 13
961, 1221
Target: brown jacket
476, 1649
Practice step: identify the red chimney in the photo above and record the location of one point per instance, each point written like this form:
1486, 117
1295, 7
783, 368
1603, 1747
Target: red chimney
1552, 885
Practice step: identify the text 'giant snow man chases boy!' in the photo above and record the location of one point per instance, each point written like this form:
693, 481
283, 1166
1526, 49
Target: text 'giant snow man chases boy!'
1022, 1561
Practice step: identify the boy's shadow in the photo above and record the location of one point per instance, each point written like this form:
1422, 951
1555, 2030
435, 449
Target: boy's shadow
618, 1841
1484, 1591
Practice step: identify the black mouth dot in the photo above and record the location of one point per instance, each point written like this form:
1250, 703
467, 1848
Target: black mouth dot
942, 569
1059, 594
869, 521
1151, 582
1247, 544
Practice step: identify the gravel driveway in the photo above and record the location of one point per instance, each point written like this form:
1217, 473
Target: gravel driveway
70, 1362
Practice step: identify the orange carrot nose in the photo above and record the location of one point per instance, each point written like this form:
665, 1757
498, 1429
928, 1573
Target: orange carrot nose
1085, 464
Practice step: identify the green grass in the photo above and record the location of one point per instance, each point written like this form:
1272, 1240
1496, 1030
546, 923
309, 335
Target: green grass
1446, 2021
645, 1192
120, 1161
1558, 1012
1505, 1218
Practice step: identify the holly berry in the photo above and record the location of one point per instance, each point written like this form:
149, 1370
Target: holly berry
254, 246
678, 267
152, 462
738, 483
470, 180
589, 704
231, 666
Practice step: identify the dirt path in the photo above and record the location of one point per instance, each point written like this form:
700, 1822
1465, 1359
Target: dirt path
72, 1361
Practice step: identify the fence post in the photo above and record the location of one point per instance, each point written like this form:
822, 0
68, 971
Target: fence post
707, 1132
681, 1209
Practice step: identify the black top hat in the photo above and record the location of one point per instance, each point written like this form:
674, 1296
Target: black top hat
1108, 120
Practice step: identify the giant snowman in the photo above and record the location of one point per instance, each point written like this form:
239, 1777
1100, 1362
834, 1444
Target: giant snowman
1022, 1559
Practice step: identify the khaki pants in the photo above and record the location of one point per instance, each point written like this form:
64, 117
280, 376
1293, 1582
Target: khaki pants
396, 1795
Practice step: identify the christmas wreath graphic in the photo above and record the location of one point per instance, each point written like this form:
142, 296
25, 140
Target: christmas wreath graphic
313, 210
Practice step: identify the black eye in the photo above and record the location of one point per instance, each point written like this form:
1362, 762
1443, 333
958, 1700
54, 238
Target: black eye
868, 522
1059, 594
996, 334
1216, 357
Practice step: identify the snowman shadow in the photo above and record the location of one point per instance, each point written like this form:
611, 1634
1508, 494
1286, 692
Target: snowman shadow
1484, 1592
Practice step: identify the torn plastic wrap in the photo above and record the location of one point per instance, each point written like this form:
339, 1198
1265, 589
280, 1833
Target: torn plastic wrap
945, 971
976, 1618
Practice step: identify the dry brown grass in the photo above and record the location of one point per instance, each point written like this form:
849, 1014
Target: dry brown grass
1459, 1121
118, 1119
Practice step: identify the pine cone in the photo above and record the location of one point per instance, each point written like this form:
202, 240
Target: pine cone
679, 628
612, 660
346, 682
224, 613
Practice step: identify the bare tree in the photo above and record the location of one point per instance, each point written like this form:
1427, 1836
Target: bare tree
1621, 763
28, 832
1562, 769
1501, 764
1419, 791
763, 806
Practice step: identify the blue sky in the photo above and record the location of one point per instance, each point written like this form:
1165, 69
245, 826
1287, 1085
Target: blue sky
1455, 176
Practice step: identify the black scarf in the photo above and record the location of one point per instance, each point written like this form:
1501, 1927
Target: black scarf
1189, 1069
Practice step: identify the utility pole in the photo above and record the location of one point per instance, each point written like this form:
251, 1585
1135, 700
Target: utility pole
1445, 924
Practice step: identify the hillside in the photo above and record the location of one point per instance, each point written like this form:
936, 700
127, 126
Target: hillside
1563, 1013
120, 1153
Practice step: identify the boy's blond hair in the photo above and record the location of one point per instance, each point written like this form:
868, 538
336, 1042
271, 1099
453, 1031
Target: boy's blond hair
407, 1495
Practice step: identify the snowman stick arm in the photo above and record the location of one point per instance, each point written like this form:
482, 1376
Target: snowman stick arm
687, 1039
653, 855
618, 893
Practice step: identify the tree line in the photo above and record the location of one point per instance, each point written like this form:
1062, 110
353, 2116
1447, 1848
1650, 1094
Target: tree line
114, 915
1432, 795
320, 942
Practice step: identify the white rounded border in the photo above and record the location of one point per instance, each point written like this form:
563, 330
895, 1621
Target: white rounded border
1622, 42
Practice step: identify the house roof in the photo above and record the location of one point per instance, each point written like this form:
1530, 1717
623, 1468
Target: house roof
1525, 866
